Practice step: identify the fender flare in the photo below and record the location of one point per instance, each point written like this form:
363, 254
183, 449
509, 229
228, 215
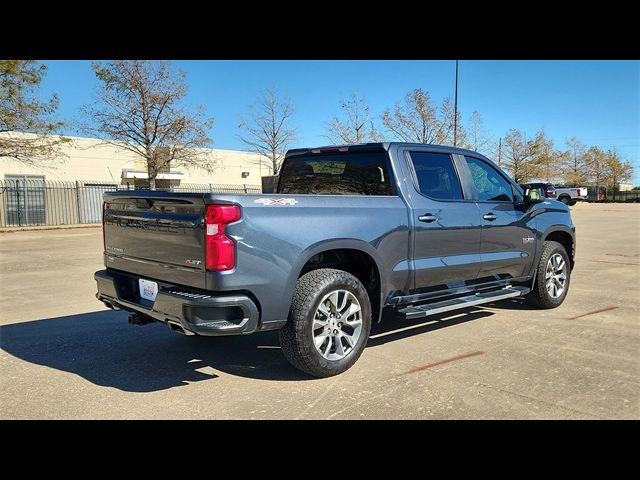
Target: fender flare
345, 243
543, 237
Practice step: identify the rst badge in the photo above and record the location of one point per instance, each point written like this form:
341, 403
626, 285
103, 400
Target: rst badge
276, 201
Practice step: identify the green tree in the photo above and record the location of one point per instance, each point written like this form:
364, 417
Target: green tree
414, 120
355, 125
596, 163
140, 108
546, 162
617, 171
516, 156
417, 119
21, 111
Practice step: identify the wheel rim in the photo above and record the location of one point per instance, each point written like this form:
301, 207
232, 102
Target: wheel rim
556, 276
337, 324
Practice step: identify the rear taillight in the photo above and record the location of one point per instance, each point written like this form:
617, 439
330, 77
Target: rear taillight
220, 250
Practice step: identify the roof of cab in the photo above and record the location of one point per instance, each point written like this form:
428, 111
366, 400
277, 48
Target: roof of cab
377, 146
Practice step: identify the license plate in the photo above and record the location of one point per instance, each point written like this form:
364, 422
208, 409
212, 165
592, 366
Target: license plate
148, 289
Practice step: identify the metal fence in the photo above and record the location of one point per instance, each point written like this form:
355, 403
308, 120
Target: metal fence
28, 201
629, 196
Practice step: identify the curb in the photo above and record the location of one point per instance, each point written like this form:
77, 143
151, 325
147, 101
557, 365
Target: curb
47, 227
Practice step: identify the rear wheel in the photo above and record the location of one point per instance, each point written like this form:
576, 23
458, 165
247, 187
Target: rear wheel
564, 199
552, 277
329, 323
572, 203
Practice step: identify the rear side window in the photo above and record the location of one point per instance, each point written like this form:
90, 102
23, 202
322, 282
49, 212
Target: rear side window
436, 175
344, 173
490, 185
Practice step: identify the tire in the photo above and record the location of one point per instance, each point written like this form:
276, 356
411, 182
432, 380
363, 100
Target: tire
540, 296
298, 337
572, 203
564, 199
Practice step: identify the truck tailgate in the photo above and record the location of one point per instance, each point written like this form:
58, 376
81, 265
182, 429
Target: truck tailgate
153, 234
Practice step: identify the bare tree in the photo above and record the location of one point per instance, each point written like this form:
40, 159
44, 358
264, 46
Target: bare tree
575, 168
357, 127
516, 155
140, 109
21, 112
478, 139
267, 130
447, 114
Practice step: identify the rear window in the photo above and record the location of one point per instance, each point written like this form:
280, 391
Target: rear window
344, 173
436, 175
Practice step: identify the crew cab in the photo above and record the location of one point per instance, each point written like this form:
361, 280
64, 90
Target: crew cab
352, 232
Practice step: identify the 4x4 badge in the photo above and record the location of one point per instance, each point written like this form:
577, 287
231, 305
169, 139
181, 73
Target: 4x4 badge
528, 239
276, 201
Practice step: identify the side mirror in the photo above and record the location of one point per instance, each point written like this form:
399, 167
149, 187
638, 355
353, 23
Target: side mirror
533, 195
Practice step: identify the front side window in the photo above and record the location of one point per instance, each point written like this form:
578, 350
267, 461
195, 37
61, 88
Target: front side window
436, 175
490, 185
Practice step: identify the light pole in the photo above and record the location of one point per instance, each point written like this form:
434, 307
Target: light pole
455, 111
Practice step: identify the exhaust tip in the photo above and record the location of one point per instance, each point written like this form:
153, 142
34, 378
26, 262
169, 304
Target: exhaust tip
176, 327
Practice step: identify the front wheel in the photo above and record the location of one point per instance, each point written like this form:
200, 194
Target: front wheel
552, 277
329, 323
565, 200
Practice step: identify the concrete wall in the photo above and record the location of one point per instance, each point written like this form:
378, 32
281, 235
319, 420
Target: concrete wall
89, 159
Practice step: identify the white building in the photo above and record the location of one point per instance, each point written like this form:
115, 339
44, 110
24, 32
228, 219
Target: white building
68, 190
89, 159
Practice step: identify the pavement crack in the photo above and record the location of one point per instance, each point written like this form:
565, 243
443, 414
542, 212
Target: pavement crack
554, 404
328, 388
367, 399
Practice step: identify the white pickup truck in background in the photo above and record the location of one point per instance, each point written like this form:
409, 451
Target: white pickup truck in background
571, 195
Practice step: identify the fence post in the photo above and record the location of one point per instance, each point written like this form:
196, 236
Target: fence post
245, 187
210, 189
18, 203
78, 200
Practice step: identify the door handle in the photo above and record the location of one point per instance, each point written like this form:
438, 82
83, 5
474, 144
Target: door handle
489, 216
428, 218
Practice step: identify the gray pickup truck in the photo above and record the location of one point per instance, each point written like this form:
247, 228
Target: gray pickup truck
353, 232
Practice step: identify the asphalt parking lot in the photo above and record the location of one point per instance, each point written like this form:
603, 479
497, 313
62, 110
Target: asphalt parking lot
63, 355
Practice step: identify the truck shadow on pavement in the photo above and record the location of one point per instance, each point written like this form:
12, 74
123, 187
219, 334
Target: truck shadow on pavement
105, 350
